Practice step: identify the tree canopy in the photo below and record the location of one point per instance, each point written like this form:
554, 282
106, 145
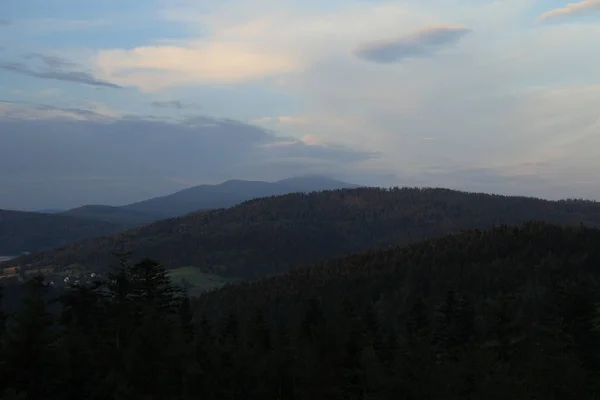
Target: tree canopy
511, 312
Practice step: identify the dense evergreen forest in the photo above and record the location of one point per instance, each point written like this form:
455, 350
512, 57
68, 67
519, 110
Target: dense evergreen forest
270, 235
507, 313
120, 216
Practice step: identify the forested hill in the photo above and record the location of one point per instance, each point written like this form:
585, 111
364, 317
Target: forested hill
29, 231
509, 313
505, 260
114, 215
271, 235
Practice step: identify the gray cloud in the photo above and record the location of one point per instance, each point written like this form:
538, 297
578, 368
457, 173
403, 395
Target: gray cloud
73, 111
50, 61
4, 22
54, 70
422, 43
578, 9
63, 162
176, 104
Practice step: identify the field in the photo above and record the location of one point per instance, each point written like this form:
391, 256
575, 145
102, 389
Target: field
196, 280
199, 280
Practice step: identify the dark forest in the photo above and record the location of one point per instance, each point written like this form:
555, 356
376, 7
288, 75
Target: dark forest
510, 312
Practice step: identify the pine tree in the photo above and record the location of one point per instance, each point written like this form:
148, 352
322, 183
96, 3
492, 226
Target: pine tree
155, 301
186, 317
2, 315
29, 349
122, 321
153, 289
83, 347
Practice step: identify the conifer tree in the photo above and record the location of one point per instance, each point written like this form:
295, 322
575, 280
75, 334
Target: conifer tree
29, 347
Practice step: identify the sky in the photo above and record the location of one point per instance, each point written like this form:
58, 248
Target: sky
117, 101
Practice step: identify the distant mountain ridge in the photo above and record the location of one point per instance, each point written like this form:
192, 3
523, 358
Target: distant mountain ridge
231, 193
22, 231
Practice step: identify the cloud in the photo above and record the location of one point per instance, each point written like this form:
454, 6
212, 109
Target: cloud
176, 104
514, 109
158, 67
421, 43
291, 120
262, 120
259, 41
311, 140
54, 71
28, 111
50, 61
65, 147
284, 120
513, 95
581, 8
4, 22
58, 24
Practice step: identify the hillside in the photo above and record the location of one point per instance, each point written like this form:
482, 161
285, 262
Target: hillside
230, 193
507, 313
28, 231
270, 235
113, 215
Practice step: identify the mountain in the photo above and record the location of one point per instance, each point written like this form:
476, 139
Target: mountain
22, 231
270, 235
114, 215
230, 193
49, 211
510, 313
34, 231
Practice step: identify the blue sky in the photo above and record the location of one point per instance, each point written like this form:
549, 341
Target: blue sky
493, 95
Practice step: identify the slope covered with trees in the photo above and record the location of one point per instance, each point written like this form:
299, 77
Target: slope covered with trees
28, 231
509, 313
114, 215
270, 235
